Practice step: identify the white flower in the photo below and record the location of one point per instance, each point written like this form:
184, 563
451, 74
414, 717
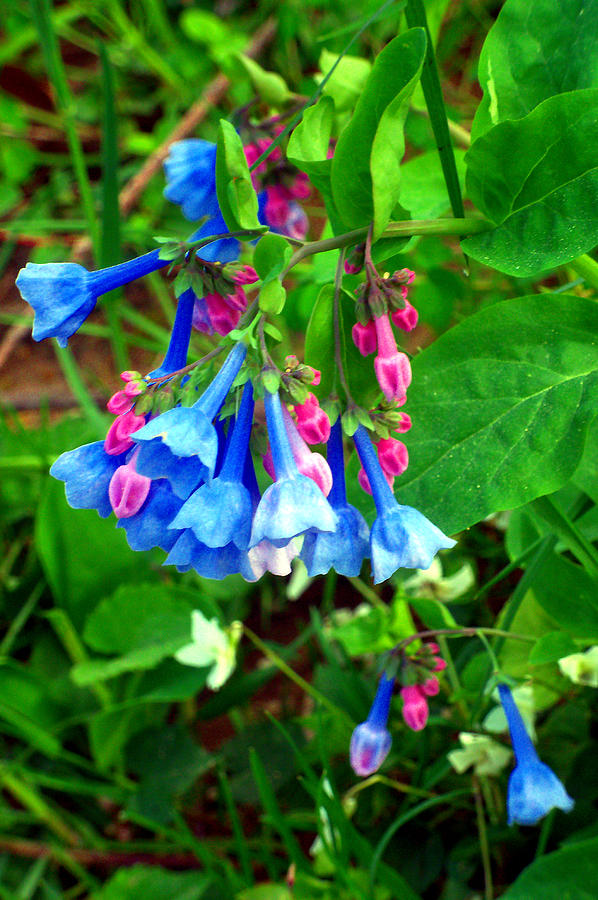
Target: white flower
211, 646
486, 755
581, 668
432, 584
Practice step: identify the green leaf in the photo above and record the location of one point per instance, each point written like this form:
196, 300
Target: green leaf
271, 255
266, 892
423, 189
552, 647
272, 298
500, 406
568, 595
154, 883
309, 142
571, 872
71, 544
236, 195
532, 52
348, 80
366, 166
543, 197
270, 86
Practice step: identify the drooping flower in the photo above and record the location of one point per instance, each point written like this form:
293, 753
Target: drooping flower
128, 490
182, 443
294, 504
150, 525
219, 511
581, 668
392, 367
371, 741
486, 755
63, 294
400, 535
87, 472
345, 548
312, 422
533, 788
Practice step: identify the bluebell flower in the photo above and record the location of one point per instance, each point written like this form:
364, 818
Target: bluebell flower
400, 535
347, 547
182, 443
219, 512
294, 504
63, 294
371, 741
209, 562
533, 788
150, 527
87, 472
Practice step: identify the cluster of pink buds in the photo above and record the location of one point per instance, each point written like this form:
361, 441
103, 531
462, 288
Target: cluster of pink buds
127, 490
312, 422
221, 308
393, 456
415, 695
282, 188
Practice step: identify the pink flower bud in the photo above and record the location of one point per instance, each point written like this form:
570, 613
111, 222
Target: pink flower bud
313, 465
300, 188
393, 369
364, 337
128, 490
415, 707
430, 687
277, 206
432, 647
439, 664
268, 464
223, 319
317, 376
351, 268
393, 456
134, 388
406, 318
245, 275
118, 403
312, 422
129, 375
118, 437
405, 424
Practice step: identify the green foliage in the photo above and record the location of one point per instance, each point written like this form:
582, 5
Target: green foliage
236, 196
570, 871
542, 197
366, 184
501, 404
533, 52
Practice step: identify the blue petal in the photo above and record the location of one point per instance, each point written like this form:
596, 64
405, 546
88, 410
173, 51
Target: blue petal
533, 791
402, 536
186, 431
150, 526
219, 512
289, 507
155, 460
87, 471
60, 296
343, 550
190, 170
217, 563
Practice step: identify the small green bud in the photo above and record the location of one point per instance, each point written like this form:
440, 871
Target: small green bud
272, 298
271, 380
350, 422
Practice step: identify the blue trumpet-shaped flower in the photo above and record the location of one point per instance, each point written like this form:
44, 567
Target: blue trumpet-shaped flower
210, 562
182, 443
63, 294
219, 512
533, 788
150, 526
347, 547
294, 504
400, 536
87, 472
371, 741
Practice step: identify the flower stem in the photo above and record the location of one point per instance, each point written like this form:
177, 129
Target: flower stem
483, 838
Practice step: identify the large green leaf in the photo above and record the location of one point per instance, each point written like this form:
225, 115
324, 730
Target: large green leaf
236, 195
544, 196
309, 142
366, 166
154, 883
568, 874
533, 51
500, 407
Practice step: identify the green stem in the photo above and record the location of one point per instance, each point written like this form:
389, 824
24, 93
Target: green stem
483, 838
409, 228
66, 633
453, 677
280, 664
587, 268
35, 803
368, 593
388, 782
564, 528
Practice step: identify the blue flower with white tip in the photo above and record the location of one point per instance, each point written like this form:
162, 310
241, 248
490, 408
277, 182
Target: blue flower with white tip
219, 512
400, 536
533, 788
182, 443
346, 548
371, 741
294, 504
